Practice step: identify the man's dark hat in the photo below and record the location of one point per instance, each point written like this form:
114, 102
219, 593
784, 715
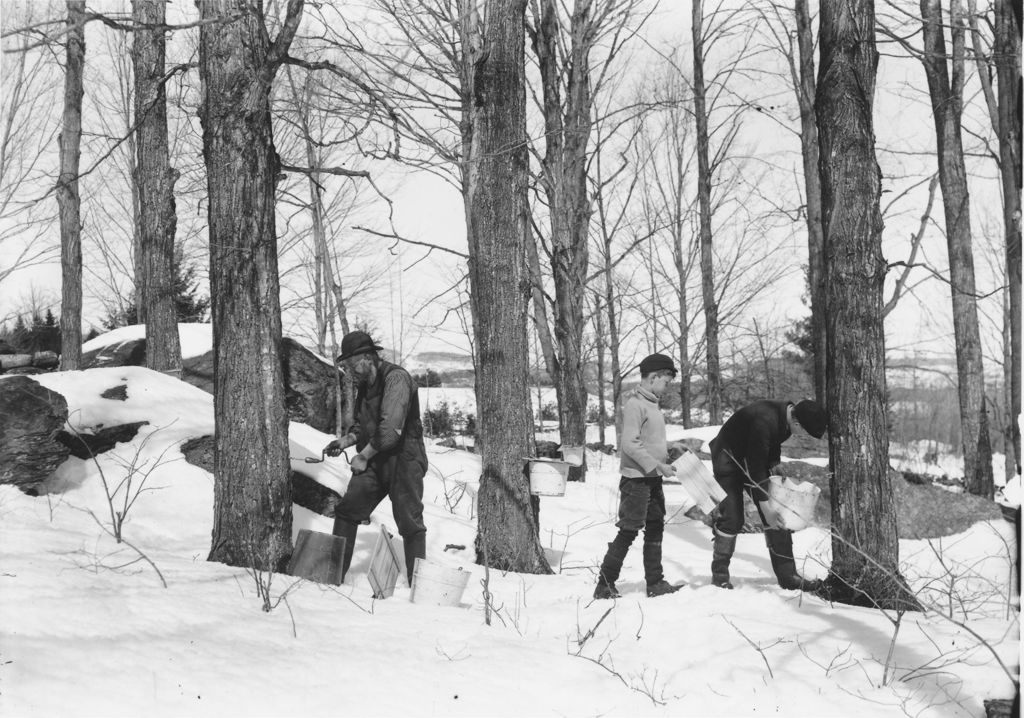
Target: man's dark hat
812, 417
355, 343
656, 362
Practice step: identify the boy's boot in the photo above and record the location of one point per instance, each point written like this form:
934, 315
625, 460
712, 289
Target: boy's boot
780, 549
347, 530
724, 546
612, 564
653, 572
415, 547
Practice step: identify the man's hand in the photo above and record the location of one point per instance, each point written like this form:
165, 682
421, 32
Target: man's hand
666, 470
358, 464
338, 445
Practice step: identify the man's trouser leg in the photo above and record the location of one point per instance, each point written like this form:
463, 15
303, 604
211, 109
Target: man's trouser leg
727, 525
361, 497
406, 492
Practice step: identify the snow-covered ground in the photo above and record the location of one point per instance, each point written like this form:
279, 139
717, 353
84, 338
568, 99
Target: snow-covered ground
87, 627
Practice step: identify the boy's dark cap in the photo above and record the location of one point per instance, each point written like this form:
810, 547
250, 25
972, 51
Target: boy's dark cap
355, 343
656, 362
812, 417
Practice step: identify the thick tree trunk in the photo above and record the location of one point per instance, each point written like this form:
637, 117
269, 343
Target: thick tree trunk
1007, 57
946, 92
812, 187
68, 199
567, 133
498, 225
865, 545
252, 501
155, 180
707, 265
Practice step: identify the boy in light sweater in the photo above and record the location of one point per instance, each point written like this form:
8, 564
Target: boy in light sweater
643, 452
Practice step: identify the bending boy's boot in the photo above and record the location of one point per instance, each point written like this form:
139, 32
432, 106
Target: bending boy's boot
721, 555
653, 572
612, 565
347, 530
415, 547
780, 549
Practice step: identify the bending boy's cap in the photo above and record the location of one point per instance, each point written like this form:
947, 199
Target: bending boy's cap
812, 417
656, 362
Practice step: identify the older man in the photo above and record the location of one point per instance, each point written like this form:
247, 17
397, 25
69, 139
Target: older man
388, 435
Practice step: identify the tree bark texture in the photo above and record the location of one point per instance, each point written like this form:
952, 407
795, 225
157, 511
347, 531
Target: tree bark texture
155, 180
68, 198
1008, 73
707, 266
865, 546
252, 501
805, 91
507, 537
567, 125
946, 90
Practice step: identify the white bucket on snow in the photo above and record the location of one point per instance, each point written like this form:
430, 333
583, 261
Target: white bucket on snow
437, 585
548, 477
790, 504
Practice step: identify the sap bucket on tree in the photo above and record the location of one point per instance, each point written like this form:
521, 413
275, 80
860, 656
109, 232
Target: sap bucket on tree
548, 477
572, 455
790, 504
437, 585
318, 557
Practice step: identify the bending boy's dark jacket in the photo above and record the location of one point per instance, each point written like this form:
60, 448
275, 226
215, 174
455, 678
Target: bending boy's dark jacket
388, 415
752, 437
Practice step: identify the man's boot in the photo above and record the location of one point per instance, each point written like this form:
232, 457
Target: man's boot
415, 547
780, 549
347, 530
612, 564
724, 546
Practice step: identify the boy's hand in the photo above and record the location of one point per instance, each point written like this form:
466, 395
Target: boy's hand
666, 470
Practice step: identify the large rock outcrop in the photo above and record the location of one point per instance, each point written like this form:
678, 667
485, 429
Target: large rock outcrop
31, 420
310, 384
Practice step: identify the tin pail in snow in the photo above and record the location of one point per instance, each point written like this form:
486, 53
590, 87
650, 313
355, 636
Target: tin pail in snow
548, 477
572, 455
318, 557
790, 503
437, 585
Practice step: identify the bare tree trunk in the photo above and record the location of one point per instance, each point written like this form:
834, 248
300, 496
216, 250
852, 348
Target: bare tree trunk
497, 232
68, 199
714, 378
567, 133
602, 382
812, 187
946, 92
252, 499
865, 544
155, 180
1008, 73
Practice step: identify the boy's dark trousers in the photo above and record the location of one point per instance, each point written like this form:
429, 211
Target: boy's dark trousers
641, 506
